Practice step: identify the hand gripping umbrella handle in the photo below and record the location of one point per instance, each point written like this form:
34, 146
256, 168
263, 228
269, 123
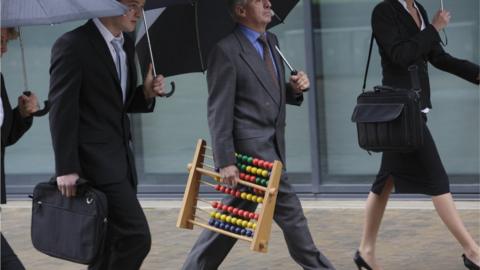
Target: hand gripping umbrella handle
41, 112
145, 24
169, 94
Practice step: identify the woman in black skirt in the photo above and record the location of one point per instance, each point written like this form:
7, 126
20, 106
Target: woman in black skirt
14, 123
405, 37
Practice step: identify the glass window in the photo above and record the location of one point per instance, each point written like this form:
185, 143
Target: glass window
169, 135
31, 159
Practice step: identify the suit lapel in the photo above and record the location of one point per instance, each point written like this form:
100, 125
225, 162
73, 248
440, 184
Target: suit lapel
404, 17
256, 65
132, 76
423, 13
103, 53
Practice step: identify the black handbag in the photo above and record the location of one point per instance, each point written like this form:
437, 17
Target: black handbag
389, 119
72, 229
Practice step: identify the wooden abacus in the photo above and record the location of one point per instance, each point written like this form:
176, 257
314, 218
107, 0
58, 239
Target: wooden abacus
230, 221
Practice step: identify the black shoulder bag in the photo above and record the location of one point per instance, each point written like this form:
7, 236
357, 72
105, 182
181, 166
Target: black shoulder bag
72, 229
389, 119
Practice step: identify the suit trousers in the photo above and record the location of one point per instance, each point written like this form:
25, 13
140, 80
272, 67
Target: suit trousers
10, 261
128, 235
211, 248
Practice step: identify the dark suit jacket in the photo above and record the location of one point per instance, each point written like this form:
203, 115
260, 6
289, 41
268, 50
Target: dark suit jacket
89, 124
401, 44
246, 111
13, 128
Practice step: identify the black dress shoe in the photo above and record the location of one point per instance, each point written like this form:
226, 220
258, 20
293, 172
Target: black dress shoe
361, 263
469, 264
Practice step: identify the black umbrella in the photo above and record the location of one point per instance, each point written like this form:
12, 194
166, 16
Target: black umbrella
182, 35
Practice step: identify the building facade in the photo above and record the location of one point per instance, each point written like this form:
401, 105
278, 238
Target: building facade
327, 38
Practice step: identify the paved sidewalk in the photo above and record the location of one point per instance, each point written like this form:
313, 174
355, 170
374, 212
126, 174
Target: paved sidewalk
412, 237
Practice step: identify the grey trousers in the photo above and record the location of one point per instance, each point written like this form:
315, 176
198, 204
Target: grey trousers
211, 248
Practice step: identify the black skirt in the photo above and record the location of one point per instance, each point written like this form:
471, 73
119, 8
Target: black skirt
417, 172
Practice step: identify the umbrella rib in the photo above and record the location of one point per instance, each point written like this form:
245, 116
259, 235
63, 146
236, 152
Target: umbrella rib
40, 3
197, 31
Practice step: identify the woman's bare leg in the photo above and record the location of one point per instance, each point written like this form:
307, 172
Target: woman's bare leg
447, 211
374, 210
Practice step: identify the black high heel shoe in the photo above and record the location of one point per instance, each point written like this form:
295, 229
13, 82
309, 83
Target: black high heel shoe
360, 262
469, 264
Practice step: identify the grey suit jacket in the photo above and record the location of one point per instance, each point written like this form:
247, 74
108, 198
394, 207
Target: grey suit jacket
246, 110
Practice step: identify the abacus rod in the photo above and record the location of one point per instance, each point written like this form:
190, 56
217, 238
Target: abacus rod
202, 200
207, 147
199, 217
241, 237
207, 183
194, 207
208, 165
207, 156
242, 182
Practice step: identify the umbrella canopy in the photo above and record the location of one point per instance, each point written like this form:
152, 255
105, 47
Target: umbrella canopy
183, 35
16, 13
37, 12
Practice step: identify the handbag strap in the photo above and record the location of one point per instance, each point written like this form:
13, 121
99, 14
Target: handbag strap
368, 63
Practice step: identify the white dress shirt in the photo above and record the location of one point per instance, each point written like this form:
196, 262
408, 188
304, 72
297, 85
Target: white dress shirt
108, 36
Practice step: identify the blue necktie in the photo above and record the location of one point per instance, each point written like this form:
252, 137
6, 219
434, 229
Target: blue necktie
121, 58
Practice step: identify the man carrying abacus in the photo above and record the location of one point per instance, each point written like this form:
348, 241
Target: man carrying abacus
246, 114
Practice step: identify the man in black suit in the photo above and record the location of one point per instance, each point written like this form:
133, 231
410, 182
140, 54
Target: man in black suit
247, 94
93, 86
14, 122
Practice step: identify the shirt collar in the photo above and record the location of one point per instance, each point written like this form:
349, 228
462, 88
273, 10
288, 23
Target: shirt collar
106, 34
251, 34
404, 4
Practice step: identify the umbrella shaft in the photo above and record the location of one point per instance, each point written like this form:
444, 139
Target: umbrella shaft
284, 59
24, 66
148, 42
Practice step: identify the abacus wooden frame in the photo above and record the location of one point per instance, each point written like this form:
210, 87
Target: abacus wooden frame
186, 217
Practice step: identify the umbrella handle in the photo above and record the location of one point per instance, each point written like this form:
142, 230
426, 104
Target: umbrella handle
41, 112
169, 94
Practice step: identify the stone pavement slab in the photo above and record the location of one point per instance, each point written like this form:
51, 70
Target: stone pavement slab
412, 237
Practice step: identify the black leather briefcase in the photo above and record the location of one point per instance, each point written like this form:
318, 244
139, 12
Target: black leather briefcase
389, 119
72, 229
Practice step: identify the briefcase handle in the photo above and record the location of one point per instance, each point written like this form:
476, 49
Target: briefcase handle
81, 183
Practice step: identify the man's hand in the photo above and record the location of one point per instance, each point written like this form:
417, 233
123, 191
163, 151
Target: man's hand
229, 175
66, 184
153, 87
299, 82
27, 105
441, 20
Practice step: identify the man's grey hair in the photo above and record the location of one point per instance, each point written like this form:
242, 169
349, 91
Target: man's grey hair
233, 3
